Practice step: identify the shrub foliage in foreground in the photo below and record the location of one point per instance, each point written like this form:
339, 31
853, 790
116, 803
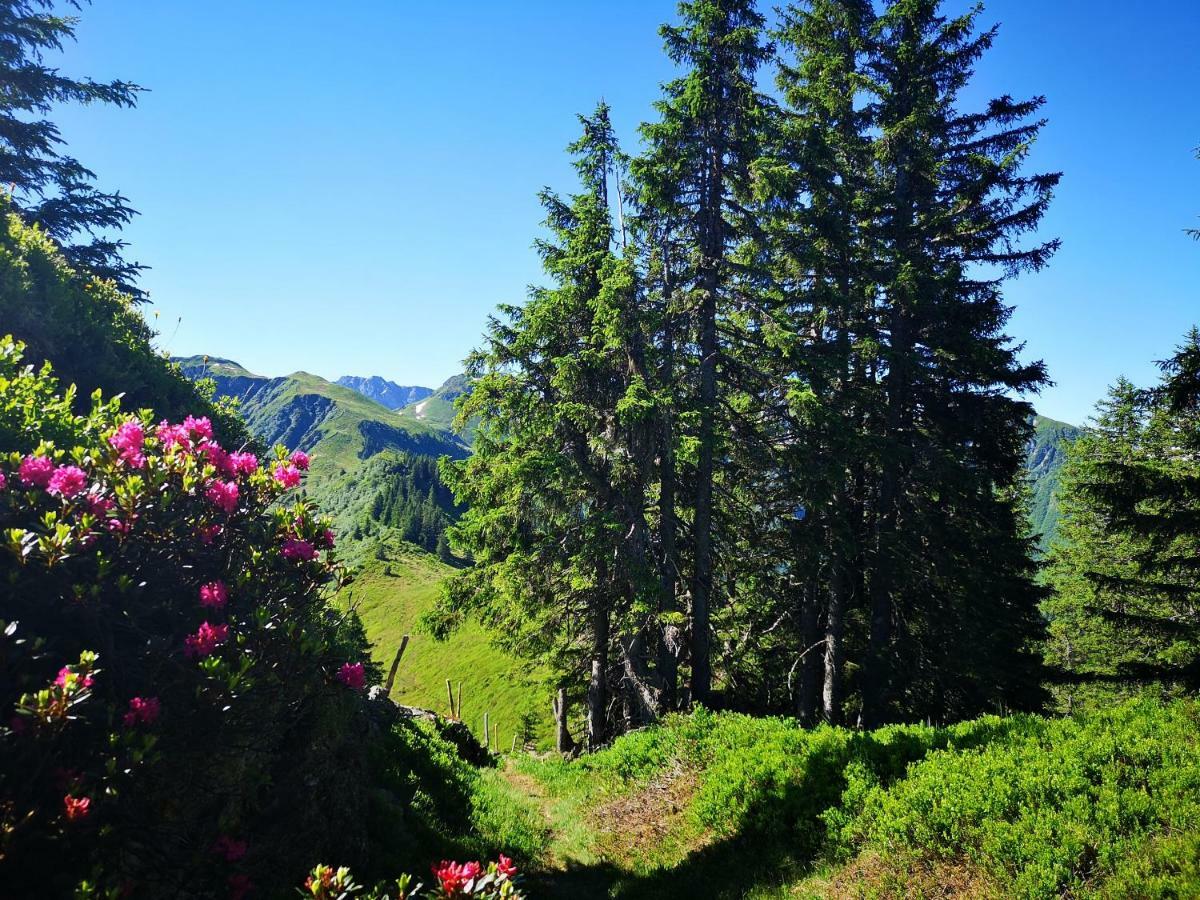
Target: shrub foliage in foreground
178, 701
1104, 805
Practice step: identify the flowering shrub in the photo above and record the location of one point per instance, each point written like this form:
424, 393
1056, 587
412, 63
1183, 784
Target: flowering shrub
452, 881
167, 657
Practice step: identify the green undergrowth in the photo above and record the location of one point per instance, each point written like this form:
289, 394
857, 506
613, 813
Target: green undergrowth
430, 803
1024, 806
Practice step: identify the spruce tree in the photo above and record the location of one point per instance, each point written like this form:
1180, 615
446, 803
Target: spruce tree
696, 174
948, 557
556, 488
50, 187
1126, 566
814, 188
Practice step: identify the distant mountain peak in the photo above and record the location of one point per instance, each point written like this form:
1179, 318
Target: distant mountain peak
387, 393
438, 408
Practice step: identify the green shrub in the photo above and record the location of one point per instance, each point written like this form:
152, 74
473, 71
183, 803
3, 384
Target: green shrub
179, 701
1056, 806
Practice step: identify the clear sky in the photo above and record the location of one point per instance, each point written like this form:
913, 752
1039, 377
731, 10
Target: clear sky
349, 188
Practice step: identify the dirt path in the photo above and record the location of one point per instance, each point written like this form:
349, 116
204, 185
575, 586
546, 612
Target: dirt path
597, 846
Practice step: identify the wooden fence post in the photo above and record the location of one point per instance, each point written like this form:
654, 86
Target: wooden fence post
391, 679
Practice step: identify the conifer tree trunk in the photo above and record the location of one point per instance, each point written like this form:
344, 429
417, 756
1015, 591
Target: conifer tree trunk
810, 666
562, 734
703, 581
877, 665
597, 695
839, 589
709, 281
668, 648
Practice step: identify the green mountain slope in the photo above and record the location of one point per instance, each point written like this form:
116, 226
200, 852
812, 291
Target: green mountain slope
395, 586
1043, 462
336, 424
438, 408
371, 469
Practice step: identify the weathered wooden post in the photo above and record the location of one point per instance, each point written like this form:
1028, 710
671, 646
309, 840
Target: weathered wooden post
486, 733
450, 695
391, 679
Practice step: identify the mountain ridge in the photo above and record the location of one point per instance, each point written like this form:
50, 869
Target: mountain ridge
1043, 464
388, 393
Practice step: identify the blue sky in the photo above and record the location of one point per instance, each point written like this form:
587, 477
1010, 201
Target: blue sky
350, 188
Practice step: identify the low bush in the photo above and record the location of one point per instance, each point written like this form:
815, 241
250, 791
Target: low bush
1108, 804
1105, 805
181, 707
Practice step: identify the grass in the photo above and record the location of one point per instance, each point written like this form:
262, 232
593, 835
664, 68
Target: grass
390, 595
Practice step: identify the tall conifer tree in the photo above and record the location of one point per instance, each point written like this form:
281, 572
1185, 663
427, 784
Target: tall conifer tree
696, 173
954, 204
1126, 567
556, 488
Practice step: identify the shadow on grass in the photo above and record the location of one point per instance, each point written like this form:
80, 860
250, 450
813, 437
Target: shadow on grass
728, 869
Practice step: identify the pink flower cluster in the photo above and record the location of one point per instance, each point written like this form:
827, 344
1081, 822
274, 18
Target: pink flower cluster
76, 808
230, 849
297, 549
206, 639
214, 595
200, 428
216, 455
243, 463
36, 471
173, 436
72, 680
98, 505
453, 876
300, 460
117, 526
128, 442
142, 711
67, 482
223, 495
59, 481
287, 476
353, 676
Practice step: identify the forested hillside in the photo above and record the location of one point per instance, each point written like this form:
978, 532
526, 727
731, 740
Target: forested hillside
1044, 461
371, 469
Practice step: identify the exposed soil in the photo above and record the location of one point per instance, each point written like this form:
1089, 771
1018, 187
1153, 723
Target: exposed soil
634, 826
874, 876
